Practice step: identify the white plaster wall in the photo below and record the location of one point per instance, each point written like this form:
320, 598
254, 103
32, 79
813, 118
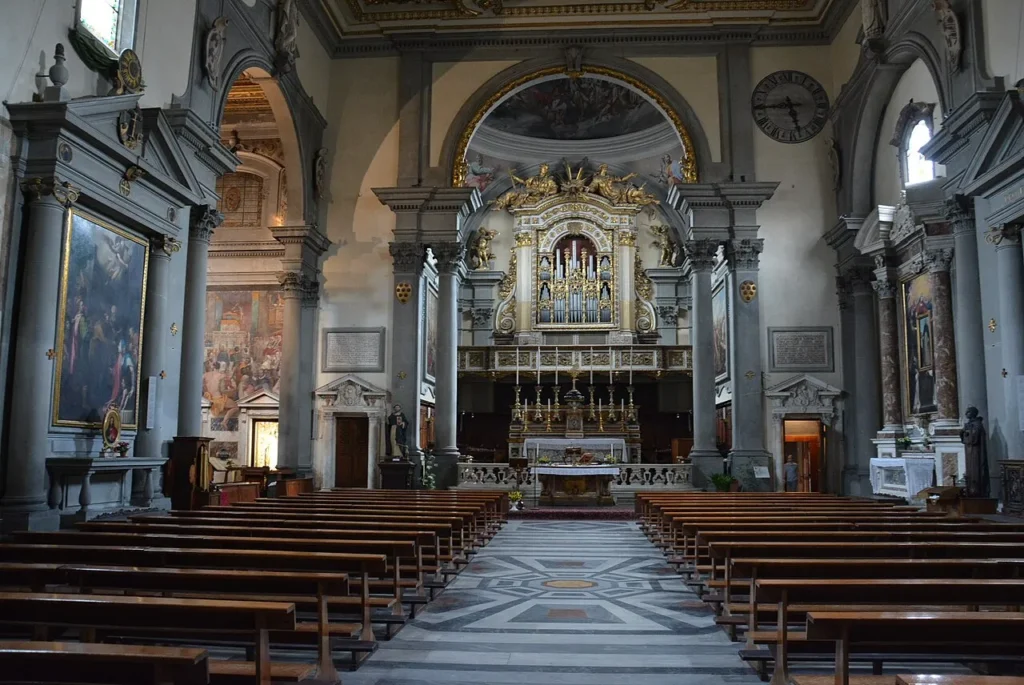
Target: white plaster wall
797, 278
314, 67
917, 84
164, 44
453, 84
358, 289
1003, 22
696, 79
844, 53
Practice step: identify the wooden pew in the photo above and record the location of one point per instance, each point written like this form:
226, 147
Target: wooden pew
67, 663
112, 612
986, 635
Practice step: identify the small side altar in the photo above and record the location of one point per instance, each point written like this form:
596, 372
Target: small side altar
576, 485
904, 476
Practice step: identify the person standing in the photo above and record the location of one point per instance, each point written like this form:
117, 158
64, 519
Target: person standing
792, 473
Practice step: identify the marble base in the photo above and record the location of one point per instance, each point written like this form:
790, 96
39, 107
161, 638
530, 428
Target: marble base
33, 518
704, 466
446, 468
742, 469
950, 459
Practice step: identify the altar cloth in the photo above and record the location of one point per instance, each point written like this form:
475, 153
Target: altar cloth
576, 471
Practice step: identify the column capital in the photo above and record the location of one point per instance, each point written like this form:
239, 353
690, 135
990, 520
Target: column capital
668, 314
311, 292
407, 257
960, 214
293, 284
1003, 236
163, 246
61, 191
938, 260
203, 219
450, 256
744, 253
885, 288
701, 253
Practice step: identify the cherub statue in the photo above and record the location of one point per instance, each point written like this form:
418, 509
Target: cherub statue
668, 251
481, 255
605, 184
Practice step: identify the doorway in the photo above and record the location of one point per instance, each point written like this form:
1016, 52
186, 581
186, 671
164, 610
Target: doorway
804, 442
351, 450
264, 443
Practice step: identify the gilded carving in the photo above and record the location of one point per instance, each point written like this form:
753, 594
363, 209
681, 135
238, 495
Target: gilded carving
62, 191
668, 249
529, 190
129, 127
481, 255
402, 292
524, 239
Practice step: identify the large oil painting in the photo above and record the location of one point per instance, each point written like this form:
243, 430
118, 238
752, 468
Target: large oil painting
918, 346
430, 339
102, 305
243, 350
720, 326
574, 109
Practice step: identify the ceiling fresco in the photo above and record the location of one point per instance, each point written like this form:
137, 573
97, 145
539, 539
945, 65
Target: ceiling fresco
574, 109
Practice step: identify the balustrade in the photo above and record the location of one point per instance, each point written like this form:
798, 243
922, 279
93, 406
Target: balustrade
632, 477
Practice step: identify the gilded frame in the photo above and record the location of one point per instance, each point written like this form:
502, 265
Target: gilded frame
69, 216
906, 338
111, 420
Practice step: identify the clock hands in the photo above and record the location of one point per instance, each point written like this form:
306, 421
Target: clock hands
787, 105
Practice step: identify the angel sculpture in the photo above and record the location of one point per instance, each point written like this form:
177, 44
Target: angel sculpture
605, 184
481, 255
529, 189
668, 251
633, 195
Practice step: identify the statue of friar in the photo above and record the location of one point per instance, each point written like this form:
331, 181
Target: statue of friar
973, 437
397, 436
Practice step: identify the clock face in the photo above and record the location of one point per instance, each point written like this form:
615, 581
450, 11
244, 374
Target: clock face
789, 106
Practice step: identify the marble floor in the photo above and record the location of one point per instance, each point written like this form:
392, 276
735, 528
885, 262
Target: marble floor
561, 602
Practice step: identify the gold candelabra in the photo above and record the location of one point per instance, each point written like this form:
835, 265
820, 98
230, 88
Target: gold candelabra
593, 407
611, 403
517, 408
630, 408
600, 422
538, 415
547, 421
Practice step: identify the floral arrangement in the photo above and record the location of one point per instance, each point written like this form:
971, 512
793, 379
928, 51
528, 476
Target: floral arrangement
515, 496
904, 443
721, 481
122, 447
544, 460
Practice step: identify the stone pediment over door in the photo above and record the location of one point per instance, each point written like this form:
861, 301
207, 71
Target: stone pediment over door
349, 395
1000, 155
262, 399
806, 395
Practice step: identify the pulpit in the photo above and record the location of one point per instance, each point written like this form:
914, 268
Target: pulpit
396, 474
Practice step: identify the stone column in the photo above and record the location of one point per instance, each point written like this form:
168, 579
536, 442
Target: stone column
625, 253
407, 338
886, 288
1006, 240
149, 442
450, 257
293, 287
202, 222
24, 505
967, 321
704, 455
307, 371
522, 263
943, 338
864, 386
748, 439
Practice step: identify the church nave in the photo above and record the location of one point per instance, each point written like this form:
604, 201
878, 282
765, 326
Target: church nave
574, 602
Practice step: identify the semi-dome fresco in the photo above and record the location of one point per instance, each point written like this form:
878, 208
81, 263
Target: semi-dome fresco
574, 109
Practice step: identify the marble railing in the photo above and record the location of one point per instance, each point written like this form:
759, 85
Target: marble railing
631, 477
641, 358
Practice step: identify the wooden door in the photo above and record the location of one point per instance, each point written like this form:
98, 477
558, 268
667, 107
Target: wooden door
351, 449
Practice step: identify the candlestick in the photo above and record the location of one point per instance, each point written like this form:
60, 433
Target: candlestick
517, 366
622, 411
631, 365
591, 365
631, 416
517, 409
538, 364
611, 403
538, 417
600, 422
556, 366
592, 415
547, 420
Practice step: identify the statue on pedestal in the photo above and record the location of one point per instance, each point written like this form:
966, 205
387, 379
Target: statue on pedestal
973, 437
398, 426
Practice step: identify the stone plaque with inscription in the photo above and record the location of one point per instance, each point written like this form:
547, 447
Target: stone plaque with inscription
353, 350
805, 348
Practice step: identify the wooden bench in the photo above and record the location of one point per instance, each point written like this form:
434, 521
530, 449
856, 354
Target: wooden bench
88, 613
67, 663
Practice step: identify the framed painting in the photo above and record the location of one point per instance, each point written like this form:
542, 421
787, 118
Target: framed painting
100, 320
430, 335
918, 346
720, 327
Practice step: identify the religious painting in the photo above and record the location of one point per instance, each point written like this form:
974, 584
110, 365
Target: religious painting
102, 306
481, 171
574, 109
243, 350
430, 335
720, 327
918, 346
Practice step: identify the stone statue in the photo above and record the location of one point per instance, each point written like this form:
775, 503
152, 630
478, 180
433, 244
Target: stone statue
668, 251
398, 428
834, 163
973, 437
872, 18
286, 38
481, 255
215, 39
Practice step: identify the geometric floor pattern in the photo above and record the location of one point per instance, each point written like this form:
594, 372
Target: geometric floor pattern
561, 602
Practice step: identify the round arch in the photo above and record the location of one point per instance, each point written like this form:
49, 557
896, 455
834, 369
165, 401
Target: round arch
282, 106
876, 96
629, 74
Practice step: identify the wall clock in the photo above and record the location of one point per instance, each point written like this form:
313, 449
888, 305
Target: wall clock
789, 106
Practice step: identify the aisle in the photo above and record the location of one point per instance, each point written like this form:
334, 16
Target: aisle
573, 602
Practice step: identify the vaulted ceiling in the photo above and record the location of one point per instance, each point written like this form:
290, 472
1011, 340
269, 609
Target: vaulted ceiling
349, 26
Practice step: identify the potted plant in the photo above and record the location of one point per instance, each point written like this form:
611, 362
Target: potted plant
122, 448
722, 481
516, 498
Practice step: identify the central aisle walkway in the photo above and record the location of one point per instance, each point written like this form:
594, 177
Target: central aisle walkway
567, 602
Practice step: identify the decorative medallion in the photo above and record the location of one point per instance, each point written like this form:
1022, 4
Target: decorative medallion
172, 214
131, 175
65, 153
174, 329
128, 74
402, 375
789, 106
129, 127
403, 291
749, 375
748, 291
992, 325
216, 37
50, 354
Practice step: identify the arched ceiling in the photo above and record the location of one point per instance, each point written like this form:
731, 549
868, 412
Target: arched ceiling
341, 24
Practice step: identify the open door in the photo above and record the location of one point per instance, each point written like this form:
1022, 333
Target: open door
351, 450
804, 445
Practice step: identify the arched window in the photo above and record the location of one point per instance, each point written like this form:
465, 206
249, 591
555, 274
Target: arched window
919, 169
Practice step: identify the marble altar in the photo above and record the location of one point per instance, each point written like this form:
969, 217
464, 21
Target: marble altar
902, 476
576, 485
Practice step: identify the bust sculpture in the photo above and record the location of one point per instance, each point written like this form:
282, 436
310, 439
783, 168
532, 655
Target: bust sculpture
973, 437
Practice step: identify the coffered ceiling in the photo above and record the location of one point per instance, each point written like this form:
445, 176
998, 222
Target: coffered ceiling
358, 26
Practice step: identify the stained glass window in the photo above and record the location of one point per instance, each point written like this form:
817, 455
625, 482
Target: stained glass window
241, 199
110, 21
